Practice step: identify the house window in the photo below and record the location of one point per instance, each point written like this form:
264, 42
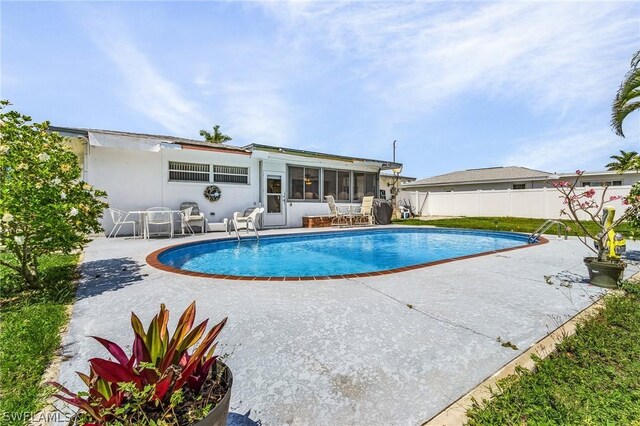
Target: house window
304, 183
230, 174
188, 172
344, 183
601, 183
519, 186
330, 183
364, 184
336, 183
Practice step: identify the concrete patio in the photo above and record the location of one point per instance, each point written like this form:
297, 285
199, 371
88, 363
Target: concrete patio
386, 350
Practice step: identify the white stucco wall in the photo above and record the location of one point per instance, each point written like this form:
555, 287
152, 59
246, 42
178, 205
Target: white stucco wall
138, 179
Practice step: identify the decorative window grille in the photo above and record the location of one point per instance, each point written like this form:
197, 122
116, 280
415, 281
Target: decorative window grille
230, 174
188, 172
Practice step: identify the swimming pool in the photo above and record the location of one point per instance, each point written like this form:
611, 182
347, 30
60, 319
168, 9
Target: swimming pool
331, 254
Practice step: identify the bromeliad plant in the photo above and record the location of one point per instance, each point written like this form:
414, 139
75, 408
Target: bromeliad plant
584, 203
161, 383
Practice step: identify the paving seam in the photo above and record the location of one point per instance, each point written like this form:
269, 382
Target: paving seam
433, 317
456, 412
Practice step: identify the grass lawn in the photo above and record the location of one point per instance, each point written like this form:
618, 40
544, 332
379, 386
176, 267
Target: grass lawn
593, 379
516, 224
30, 323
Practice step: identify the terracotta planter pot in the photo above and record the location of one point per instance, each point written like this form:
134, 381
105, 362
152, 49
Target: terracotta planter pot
604, 274
218, 416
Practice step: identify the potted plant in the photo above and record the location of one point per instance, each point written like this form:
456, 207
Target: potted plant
605, 268
161, 382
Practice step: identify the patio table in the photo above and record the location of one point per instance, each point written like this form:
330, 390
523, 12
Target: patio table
142, 215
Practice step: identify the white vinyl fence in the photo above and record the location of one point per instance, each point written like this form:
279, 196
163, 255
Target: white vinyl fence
543, 203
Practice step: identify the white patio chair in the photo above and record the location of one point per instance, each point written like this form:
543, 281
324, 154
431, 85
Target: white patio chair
247, 222
196, 217
340, 215
184, 220
120, 218
160, 217
364, 215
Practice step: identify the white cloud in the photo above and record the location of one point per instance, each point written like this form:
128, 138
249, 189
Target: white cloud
568, 150
257, 112
148, 91
420, 55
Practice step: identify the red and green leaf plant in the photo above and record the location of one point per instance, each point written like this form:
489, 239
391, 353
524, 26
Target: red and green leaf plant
133, 389
583, 203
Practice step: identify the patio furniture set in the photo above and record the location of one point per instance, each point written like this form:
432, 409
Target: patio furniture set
350, 216
161, 221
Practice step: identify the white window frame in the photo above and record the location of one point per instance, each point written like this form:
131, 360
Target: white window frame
202, 173
214, 173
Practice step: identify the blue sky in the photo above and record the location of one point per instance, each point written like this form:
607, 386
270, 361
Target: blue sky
459, 85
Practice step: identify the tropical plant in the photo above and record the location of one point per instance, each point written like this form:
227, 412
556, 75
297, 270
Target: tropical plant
44, 205
584, 202
624, 162
161, 383
628, 97
217, 137
634, 219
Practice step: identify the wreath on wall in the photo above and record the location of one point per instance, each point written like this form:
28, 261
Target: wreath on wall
212, 193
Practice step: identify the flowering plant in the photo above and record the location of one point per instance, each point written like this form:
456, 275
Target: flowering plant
585, 204
160, 383
44, 205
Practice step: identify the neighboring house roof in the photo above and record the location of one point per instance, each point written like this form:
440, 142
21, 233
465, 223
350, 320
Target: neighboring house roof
489, 174
596, 173
385, 165
84, 132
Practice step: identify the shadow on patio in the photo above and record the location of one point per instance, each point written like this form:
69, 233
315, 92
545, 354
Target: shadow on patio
107, 275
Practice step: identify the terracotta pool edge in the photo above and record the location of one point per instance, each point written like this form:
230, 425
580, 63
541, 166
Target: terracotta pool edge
152, 260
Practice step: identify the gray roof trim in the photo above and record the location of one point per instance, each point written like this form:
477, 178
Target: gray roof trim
385, 165
84, 132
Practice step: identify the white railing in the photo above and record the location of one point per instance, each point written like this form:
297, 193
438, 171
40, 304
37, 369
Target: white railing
543, 203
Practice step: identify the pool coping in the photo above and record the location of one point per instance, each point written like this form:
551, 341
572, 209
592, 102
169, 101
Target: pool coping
152, 260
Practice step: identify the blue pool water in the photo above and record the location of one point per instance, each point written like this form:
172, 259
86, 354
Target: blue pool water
334, 253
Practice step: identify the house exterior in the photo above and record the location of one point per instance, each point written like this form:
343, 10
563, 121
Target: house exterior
387, 181
140, 171
515, 178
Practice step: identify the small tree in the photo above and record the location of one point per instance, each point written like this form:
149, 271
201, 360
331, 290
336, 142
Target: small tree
584, 201
217, 137
634, 219
44, 206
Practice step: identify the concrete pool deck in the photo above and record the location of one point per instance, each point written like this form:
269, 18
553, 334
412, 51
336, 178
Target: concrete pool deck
391, 349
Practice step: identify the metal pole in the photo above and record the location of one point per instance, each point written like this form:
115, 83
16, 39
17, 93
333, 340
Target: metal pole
394, 151
394, 189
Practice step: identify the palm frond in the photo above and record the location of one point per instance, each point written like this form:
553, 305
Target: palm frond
628, 97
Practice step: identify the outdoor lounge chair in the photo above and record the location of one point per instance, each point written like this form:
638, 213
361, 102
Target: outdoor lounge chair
119, 218
184, 220
340, 215
162, 218
196, 217
364, 215
247, 222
